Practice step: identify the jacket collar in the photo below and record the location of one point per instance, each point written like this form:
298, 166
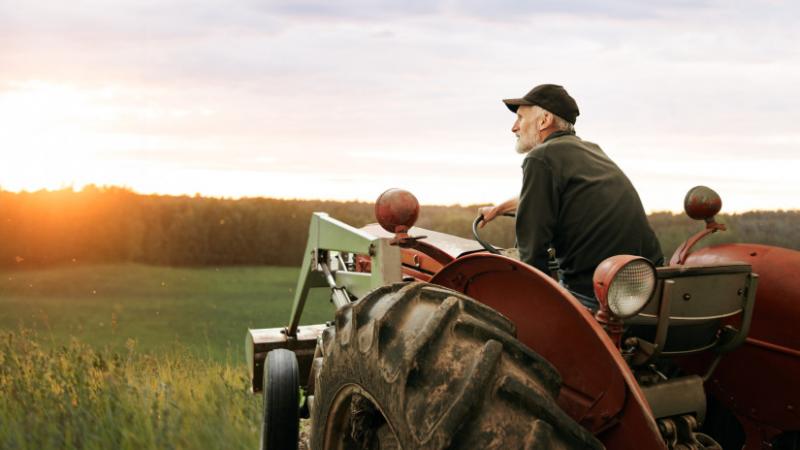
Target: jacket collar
556, 134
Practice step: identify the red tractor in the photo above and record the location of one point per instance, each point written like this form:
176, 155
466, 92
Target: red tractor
444, 342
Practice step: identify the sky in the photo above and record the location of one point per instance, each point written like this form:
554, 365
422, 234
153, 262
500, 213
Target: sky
342, 100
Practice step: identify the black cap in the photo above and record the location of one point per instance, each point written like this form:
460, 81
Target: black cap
551, 97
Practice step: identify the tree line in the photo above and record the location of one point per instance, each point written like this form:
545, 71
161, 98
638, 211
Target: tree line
111, 225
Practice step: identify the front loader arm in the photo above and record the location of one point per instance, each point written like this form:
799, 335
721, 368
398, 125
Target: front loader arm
327, 237
328, 240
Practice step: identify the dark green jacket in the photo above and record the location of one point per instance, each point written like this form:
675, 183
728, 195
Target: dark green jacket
577, 200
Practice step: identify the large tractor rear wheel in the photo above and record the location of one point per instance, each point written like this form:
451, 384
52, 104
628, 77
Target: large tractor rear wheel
417, 366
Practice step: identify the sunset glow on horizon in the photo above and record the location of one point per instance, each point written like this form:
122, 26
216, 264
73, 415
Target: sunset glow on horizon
316, 101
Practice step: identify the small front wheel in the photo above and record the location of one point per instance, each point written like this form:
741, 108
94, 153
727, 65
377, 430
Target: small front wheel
281, 423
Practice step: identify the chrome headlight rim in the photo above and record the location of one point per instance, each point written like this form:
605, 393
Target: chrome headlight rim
621, 301
624, 284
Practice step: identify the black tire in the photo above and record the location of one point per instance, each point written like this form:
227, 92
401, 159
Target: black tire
417, 366
281, 422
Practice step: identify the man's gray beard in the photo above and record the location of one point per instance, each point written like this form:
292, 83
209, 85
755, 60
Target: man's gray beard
523, 150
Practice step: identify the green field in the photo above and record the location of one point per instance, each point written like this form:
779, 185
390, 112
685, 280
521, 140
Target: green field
205, 310
132, 356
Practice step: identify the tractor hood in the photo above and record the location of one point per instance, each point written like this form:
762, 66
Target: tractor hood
453, 246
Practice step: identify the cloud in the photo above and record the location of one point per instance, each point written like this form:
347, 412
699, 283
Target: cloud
353, 9
87, 20
339, 88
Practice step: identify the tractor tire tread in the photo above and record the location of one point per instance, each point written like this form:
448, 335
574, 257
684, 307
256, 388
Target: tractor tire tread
445, 371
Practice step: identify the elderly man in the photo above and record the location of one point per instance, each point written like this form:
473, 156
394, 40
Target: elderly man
573, 197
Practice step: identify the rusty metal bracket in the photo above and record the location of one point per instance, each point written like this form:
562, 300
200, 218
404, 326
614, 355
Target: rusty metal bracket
403, 240
680, 433
730, 337
682, 252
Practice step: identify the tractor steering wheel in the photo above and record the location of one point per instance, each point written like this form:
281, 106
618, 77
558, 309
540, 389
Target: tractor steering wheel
489, 247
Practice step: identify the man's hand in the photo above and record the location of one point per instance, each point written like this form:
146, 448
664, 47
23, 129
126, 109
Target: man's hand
490, 212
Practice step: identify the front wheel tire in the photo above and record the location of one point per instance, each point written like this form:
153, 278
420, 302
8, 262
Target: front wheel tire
281, 421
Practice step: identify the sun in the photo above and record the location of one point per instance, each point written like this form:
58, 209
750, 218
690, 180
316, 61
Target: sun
52, 134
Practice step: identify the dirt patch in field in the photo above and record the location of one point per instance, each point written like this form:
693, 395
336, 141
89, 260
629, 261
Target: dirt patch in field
305, 435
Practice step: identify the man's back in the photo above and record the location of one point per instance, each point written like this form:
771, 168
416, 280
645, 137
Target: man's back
575, 198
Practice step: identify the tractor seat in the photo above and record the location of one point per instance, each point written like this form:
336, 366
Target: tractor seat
694, 300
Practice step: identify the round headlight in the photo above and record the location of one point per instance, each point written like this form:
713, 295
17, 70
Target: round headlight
631, 288
624, 284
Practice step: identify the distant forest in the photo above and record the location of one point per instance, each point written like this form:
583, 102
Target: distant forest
109, 225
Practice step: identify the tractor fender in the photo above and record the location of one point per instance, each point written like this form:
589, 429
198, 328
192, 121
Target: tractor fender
599, 390
759, 380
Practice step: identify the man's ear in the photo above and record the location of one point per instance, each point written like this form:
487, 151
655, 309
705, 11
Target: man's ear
545, 121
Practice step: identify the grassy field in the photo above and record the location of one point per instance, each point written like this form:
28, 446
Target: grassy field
206, 310
135, 357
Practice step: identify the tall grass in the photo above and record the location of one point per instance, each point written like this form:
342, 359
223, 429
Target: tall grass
76, 396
